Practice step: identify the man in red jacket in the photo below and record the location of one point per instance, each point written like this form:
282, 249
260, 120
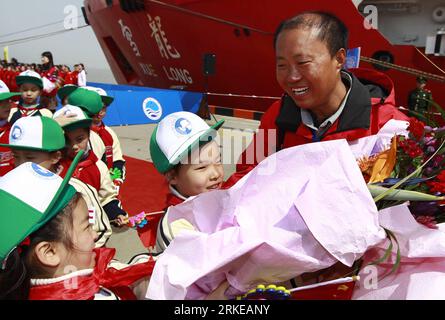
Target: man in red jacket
322, 101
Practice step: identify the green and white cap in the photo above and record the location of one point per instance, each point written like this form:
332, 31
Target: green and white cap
5, 94
36, 133
106, 99
177, 135
71, 118
29, 76
88, 100
30, 196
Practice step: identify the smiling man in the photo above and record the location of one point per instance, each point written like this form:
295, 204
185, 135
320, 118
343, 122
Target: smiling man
322, 101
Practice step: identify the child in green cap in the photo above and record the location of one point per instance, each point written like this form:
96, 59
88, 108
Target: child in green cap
91, 170
183, 149
6, 159
31, 86
47, 247
113, 152
41, 140
86, 100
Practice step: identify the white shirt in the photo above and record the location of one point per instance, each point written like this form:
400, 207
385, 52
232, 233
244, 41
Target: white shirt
307, 119
82, 79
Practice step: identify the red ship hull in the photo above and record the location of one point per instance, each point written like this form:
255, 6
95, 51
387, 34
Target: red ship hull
162, 45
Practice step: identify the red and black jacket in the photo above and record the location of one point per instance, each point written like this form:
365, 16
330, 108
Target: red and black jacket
369, 107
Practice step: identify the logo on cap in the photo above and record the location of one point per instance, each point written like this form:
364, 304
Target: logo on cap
183, 126
152, 109
41, 171
16, 133
70, 113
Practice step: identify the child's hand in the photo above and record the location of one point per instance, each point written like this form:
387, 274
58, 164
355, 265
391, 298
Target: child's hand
121, 220
218, 293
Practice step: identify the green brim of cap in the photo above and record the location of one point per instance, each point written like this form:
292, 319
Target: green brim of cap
65, 91
161, 162
107, 100
86, 123
8, 95
15, 147
33, 220
26, 79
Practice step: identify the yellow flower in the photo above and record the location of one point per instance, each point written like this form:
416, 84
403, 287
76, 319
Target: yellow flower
384, 163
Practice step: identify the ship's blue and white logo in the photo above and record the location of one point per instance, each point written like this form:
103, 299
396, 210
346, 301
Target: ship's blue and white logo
16, 133
42, 171
183, 126
152, 109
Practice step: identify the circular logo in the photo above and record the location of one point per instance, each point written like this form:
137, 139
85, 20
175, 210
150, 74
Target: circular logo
183, 126
16, 133
41, 171
152, 109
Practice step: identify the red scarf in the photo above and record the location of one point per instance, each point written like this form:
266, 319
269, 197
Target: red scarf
25, 111
107, 139
89, 175
102, 276
5, 129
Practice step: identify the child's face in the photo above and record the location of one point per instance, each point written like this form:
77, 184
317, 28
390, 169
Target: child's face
42, 158
5, 108
204, 172
30, 93
97, 119
77, 140
81, 256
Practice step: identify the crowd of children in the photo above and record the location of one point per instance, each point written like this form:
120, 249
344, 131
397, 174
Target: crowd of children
57, 75
73, 167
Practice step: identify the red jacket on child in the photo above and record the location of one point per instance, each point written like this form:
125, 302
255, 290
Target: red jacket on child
95, 173
6, 157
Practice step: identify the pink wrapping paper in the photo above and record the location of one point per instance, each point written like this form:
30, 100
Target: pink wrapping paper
300, 210
421, 274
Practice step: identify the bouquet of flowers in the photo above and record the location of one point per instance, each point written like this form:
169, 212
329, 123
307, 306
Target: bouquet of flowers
411, 169
307, 209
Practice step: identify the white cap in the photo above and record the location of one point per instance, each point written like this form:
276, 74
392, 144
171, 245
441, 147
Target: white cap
29, 76
72, 117
5, 93
176, 135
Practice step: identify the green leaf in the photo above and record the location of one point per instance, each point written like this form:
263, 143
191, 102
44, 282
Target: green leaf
385, 255
398, 254
438, 108
419, 116
392, 238
401, 194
